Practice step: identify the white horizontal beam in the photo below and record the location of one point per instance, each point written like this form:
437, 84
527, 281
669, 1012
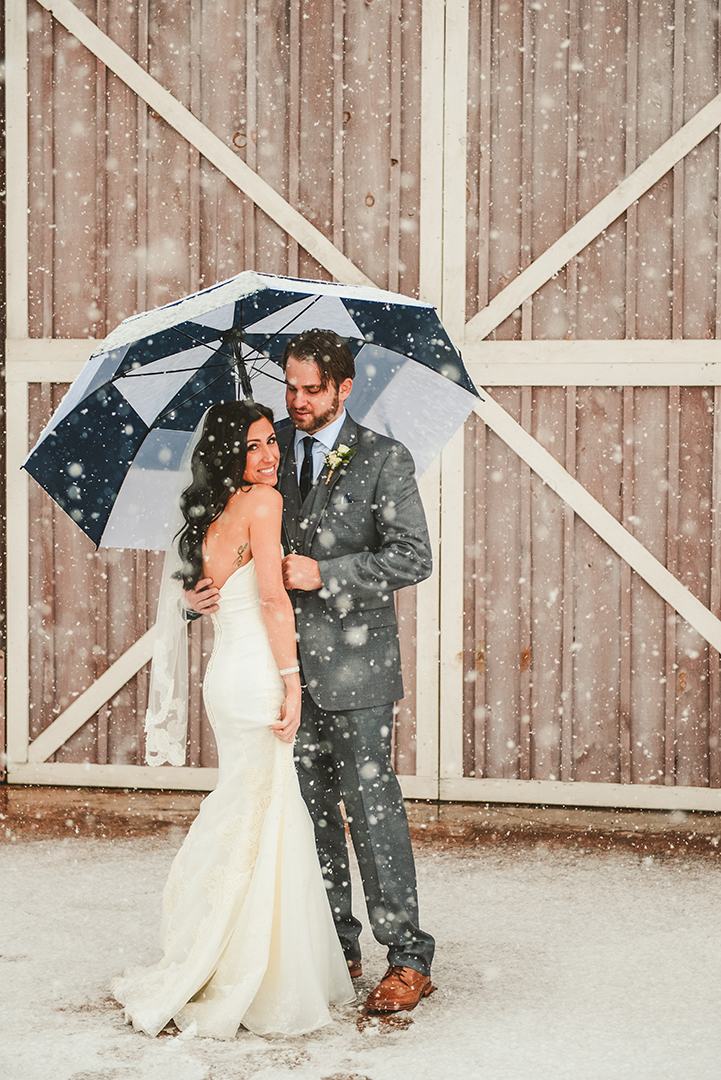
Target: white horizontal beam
461, 789
600, 520
206, 142
54, 360
603, 375
557, 793
490, 363
419, 787
593, 363
87, 704
596, 220
66, 774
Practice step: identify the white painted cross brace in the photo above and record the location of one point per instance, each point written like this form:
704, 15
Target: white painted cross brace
595, 221
208, 144
92, 699
600, 520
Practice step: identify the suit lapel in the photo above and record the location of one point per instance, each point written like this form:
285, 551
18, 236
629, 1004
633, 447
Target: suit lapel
319, 497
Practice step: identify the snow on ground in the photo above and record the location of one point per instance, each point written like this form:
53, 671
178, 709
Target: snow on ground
550, 965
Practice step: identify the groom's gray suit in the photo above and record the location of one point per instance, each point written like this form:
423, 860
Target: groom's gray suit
364, 525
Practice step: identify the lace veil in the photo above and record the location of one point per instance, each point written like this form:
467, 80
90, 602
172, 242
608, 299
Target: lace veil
166, 721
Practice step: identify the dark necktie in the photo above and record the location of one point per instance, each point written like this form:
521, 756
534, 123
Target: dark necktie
306, 469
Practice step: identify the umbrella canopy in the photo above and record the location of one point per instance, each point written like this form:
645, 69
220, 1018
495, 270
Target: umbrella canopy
111, 452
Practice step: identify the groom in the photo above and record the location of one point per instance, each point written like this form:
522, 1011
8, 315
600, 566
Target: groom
355, 531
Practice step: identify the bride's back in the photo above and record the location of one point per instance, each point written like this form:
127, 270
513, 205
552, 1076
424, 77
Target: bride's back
227, 546
249, 527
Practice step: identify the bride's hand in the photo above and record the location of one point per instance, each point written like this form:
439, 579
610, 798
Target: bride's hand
289, 722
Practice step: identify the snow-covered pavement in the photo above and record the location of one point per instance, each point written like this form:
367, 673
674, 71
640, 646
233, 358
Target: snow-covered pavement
551, 964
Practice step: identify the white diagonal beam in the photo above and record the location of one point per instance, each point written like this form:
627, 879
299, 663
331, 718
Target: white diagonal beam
595, 221
600, 520
208, 144
92, 699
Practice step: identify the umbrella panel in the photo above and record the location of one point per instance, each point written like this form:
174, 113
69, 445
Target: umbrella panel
125, 422
81, 468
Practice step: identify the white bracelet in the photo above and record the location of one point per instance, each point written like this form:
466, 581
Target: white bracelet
289, 670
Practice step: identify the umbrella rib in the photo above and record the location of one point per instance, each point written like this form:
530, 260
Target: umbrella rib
256, 371
313, 300
206, 386
137, 372
168, 371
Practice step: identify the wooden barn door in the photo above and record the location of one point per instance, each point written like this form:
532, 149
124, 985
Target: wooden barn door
579, 605
486, 157
186, 145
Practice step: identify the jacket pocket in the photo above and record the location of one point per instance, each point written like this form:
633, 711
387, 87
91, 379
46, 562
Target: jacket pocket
370, 617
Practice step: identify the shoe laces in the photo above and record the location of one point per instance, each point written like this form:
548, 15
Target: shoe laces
398, 970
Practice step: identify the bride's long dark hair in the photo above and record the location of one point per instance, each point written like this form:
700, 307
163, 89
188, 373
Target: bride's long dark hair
218, 466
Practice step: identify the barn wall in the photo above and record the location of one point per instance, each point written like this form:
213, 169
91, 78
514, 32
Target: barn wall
573, 668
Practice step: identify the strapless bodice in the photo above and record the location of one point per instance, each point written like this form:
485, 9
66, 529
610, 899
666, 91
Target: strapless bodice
239, 599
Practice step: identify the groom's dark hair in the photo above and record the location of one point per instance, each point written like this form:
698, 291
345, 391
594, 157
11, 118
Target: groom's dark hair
329, 351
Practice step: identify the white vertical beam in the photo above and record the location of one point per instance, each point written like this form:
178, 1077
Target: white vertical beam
18, 585
16, 119
453, 197
453, 313
16, 263
431, 289
427, 640
431, 215
451, 609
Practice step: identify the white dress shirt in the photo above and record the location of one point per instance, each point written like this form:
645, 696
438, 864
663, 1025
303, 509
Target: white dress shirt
325, 440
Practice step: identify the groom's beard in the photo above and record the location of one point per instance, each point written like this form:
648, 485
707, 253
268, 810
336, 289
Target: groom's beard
311, 423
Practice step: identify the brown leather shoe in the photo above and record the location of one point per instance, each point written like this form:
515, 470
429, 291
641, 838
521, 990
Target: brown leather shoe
355, 968
401, 988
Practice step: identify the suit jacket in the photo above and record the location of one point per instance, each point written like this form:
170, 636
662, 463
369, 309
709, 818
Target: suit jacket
366, 528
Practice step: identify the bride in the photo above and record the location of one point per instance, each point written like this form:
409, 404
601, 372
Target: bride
247, 932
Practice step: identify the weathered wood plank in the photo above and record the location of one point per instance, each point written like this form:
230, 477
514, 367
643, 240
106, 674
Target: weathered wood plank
166, 105
549, 604
648, 611
601, 217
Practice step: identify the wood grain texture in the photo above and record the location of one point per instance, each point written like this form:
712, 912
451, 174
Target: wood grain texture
323, 99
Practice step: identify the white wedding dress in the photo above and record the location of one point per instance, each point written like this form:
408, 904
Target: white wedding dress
247, 932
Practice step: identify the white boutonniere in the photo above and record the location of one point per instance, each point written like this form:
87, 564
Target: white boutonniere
334, 459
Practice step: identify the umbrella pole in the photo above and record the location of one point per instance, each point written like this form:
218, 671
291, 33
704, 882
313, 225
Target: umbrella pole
242, 378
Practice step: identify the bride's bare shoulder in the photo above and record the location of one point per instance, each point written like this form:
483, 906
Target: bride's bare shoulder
264, 500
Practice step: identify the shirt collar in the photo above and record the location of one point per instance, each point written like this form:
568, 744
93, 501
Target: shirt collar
327, 436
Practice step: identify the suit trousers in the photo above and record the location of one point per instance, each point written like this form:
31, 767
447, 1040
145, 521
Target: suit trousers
347, 756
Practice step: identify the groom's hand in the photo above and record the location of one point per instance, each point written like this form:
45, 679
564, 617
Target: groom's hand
203, 599
300, 572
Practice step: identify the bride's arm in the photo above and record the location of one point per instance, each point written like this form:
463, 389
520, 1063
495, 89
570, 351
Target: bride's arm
276, 608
